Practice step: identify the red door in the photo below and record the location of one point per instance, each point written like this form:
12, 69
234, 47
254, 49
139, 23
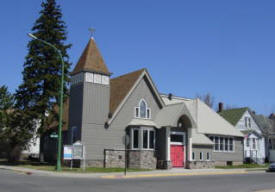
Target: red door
177, 155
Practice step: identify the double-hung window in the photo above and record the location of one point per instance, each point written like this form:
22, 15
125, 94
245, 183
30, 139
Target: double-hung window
223, 144
247, 142
135, 138
254, 143
231, 144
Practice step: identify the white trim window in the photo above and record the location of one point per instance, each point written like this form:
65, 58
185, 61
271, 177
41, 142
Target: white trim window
201, 156
135, 138
143, 111
223, 144
177, 138
254, 143
247, 142
247, 122
143, 138
193, 156
208, 157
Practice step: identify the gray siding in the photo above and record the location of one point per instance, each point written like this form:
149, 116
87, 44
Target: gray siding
202, 148
237, 155
97, 138
96, 103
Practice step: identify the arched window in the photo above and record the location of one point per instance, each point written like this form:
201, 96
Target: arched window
142, 111
142, 108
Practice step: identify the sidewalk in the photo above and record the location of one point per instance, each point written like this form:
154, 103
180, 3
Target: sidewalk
155, 173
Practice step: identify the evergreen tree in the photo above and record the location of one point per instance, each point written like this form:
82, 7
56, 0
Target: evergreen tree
39, 91
13, 133
6, 105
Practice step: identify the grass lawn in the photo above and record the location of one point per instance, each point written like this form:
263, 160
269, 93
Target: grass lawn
80, 170
47, 167
242, 166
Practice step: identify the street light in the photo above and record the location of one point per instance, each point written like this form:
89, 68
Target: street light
58, 162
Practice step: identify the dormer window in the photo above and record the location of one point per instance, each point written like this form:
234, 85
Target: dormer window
142, 111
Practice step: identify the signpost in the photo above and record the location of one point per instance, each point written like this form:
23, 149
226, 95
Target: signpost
79, 152
74, 152
53, 135
68, 154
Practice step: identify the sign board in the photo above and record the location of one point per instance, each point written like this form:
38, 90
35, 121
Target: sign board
78, 152
53, 135
68, 152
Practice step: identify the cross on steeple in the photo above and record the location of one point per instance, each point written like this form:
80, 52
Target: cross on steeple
92, 31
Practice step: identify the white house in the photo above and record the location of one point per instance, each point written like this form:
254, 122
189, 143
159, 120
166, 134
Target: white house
254, 141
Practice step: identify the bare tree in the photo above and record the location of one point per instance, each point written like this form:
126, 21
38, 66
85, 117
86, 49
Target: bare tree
207, 98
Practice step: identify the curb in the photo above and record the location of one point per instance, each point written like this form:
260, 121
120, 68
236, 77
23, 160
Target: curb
130, 175
17, 170
172, 174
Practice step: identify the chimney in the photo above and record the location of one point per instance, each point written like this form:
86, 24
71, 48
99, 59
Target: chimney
170, 96
220, 107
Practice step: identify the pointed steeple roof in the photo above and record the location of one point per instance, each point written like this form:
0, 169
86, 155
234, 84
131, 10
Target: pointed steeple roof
91, 60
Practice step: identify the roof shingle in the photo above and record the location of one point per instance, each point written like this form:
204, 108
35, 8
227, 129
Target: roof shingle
120, 87
91, 60
233, 115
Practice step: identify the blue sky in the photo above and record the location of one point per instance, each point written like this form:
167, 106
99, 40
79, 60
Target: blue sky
225, 47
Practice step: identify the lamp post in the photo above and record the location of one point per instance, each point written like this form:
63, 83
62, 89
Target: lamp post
58, 162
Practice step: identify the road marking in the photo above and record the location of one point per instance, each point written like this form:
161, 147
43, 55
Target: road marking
171, 174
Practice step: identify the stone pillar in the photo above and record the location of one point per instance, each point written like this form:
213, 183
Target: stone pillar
190, 143
167, 163
167, 133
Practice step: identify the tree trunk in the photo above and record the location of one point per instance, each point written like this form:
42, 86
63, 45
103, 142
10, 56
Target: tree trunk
14, 154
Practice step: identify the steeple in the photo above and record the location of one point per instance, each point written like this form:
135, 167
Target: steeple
91, 60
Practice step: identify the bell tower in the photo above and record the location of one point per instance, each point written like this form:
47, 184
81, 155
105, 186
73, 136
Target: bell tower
89, 93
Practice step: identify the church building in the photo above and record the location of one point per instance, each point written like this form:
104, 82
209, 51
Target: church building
162, 131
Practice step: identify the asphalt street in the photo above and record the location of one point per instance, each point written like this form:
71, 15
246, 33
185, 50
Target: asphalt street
18, 182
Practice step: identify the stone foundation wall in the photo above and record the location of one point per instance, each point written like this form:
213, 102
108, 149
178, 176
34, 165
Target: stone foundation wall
142, 159
139, 159
237, 163
114, 158
227, 163
163, 164
94, 163
200, 164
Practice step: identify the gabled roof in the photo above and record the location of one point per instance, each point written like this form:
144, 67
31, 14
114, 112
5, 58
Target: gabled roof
123, 86
233, 115
170, 115
120, 87
264, 123
200, 139
91, 60
207, 121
